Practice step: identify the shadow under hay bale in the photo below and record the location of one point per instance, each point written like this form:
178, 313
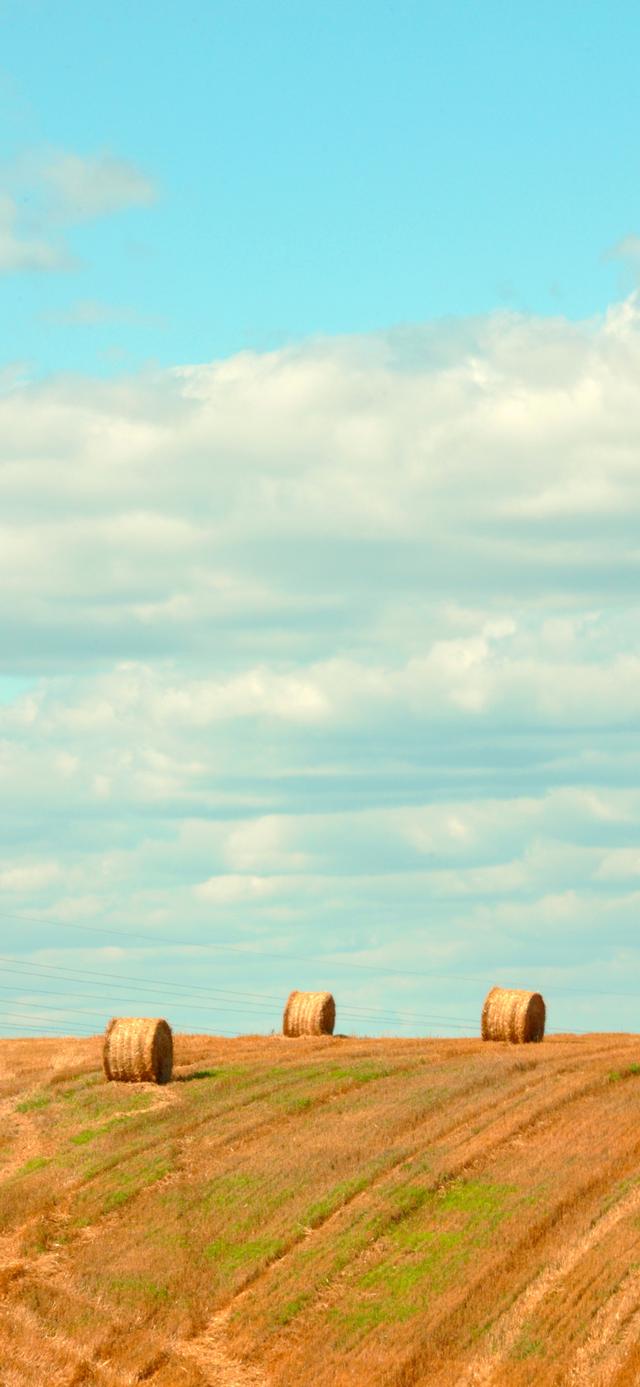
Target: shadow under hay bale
138, 1050
514, 1015
309, 1013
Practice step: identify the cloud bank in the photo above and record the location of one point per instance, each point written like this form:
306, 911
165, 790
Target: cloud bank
332, 653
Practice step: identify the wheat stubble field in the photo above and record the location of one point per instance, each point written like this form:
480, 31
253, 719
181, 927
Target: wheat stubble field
330, 1211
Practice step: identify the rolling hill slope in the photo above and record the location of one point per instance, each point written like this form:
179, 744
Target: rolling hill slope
338, 1212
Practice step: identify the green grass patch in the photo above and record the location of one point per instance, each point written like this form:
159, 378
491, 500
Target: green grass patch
350, 1243
226, 1076
87, 1134
89, 1102
329, 1076
291, 1102
426, 1238
133, 1183
112, 1184
228, 1189
481, 1201
141, 1288
290, 1310
223, 1089
341, 1194
37, 1100
615, 1076
435, 1259
241, 1202
232, 1256
361, 1072
36, 1163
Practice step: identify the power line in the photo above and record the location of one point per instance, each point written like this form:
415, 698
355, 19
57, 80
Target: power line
12, 1027
149, 985
299, 958
227, 948
22, 1026
108, 1008
53, 1030
108, 1001
256, 999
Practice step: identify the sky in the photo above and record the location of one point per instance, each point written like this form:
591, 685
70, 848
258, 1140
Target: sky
319, 512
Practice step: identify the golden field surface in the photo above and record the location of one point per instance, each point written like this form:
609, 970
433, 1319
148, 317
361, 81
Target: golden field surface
336, 1212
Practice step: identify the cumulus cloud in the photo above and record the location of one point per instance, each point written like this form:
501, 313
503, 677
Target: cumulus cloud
333, 651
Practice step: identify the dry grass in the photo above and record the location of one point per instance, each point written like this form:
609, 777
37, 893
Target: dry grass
513, 1015
138, 1050
309, 1013
351, 1212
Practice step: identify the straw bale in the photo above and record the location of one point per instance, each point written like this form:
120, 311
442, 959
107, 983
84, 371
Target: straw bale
511, 1014
309, 1013
138, 1050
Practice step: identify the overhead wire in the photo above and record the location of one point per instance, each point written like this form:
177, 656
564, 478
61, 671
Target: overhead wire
252, 951
107, 1010
257, 1001
56, 1030
85, 1034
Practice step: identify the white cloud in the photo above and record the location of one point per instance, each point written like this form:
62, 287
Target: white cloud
45, 193
345, 635
227, 889
267, 843
27, 878
620, 864
95, 185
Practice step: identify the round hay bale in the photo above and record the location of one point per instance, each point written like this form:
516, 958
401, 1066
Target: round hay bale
510, 1014
309, 1013
138, 1050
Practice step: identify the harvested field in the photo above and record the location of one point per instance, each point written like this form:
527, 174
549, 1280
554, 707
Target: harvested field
338, 1211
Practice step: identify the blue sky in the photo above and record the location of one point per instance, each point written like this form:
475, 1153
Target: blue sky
319, 504
313, 169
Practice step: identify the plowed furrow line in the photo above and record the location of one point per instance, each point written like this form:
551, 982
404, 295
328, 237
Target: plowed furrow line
614, 1332
255, 1131
481, 1295
272, 1122
507, 1330
44, 1354
209, 1350
413, 1366
464, 1167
